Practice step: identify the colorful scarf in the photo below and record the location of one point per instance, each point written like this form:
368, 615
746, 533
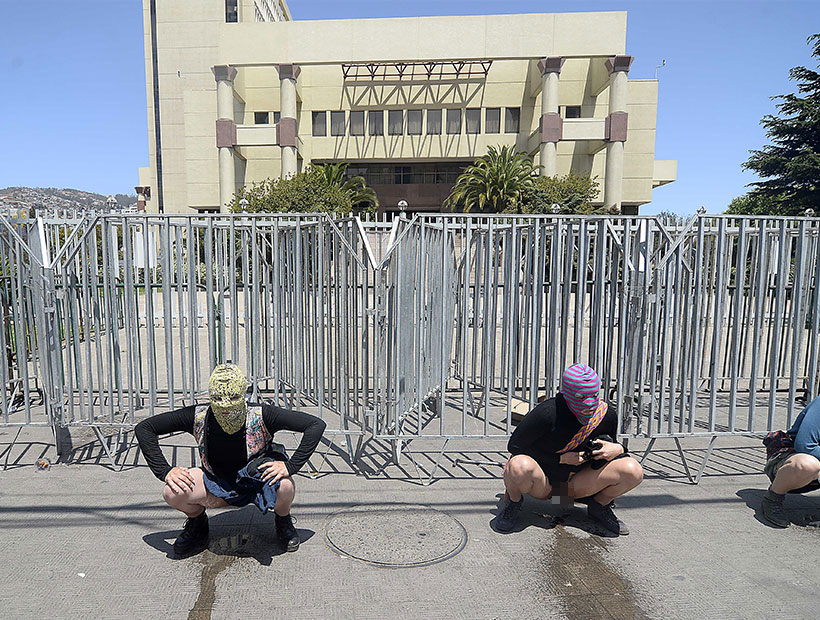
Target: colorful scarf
585, 431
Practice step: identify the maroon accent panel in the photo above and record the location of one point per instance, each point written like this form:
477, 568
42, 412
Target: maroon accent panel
552, 127
286, 132
551, 64
615, 127
224, 73
619, 63
225, 133
144, 190
140, 205
289, 71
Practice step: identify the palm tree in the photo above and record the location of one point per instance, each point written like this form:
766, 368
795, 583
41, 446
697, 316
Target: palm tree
356, 187
494, 182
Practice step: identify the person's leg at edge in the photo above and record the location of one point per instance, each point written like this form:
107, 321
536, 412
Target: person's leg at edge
192, 502
797, 471
285, 529
616, 478
522, 475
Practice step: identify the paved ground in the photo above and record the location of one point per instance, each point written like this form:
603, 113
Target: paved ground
84, 541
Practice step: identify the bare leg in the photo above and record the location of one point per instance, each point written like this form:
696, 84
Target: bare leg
192, 502
611, 481
284, 497
522, 475
798, 471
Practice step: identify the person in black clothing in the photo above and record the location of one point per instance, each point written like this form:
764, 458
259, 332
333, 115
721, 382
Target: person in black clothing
241, 463
565, 447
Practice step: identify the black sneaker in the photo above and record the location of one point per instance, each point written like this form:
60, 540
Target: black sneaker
287, 533
603, 514
507, 518
194, 536
772, 509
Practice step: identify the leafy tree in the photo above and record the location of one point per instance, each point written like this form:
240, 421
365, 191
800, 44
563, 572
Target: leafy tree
306, 192
494, 182
573, 193
356, 187
790, 165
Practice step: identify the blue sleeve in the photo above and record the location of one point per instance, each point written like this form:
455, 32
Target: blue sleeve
808, 430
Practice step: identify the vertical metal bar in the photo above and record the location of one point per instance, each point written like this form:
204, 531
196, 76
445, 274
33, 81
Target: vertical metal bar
797, 319
149, 318
740, 287
717, 330
210, 299
762, 272
782, 276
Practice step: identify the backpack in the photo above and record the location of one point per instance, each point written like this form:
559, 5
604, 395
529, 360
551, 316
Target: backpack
777, 442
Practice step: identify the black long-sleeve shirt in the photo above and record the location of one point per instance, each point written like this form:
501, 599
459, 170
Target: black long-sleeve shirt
547, 429
227, 454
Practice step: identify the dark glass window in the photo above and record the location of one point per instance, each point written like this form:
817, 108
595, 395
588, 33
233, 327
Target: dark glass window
276, 117
492, 120
402, 175
414, 122
395, 122
231, 11
433, 122
357, 123
261, 118
453, 122
337, 123
375, 122
512, 120
319, 124
474, 120
572, 111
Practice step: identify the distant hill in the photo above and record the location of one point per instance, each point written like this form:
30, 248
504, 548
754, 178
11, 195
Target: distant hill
59, 198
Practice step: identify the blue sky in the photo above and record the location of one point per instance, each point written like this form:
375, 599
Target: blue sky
73, 110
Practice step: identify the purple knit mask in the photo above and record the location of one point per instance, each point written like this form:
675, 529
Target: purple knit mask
581, 387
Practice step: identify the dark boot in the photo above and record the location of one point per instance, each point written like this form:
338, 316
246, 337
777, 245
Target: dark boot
194, 536
604, 515
507, 518
287, 533
772, 509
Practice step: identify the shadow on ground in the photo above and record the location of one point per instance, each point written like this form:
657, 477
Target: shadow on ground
801, 510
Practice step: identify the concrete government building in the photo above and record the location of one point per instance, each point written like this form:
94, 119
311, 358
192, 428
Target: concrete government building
239, 92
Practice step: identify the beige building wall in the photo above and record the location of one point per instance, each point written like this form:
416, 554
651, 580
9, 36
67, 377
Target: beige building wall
192, 37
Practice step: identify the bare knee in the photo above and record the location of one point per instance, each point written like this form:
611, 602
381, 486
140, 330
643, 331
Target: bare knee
806, 465
287, 487
630, 471
186, 497
522, 468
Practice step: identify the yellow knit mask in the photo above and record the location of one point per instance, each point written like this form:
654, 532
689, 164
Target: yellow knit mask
226, 388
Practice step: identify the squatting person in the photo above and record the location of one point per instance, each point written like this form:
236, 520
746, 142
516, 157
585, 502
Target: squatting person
565, 447
794, 470
240, 462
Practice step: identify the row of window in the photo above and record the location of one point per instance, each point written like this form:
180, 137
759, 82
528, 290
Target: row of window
411, 122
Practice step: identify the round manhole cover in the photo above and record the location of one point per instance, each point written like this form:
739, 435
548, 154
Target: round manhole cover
396, 535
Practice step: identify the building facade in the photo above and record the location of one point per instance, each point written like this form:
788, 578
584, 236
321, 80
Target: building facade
239, 92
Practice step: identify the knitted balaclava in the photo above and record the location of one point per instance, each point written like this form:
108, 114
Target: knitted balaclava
226, 388
581, 387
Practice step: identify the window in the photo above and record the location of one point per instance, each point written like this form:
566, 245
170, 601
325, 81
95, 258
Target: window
474, 120
402, 175
414, 122
433, 122
375, 122
261, 118
453, 122
395, 122
276, 117
337, 123
231, 11
572, 111
357, 123
319, 124
512, 120
492, 120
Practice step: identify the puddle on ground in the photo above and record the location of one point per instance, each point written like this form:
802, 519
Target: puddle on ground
219, 556
574, 571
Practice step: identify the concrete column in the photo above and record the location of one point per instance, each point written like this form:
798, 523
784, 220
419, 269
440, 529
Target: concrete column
225, 133
616, 129
551, 122
286, 129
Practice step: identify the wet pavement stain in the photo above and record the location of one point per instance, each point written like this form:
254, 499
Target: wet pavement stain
576, 573
227, 549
